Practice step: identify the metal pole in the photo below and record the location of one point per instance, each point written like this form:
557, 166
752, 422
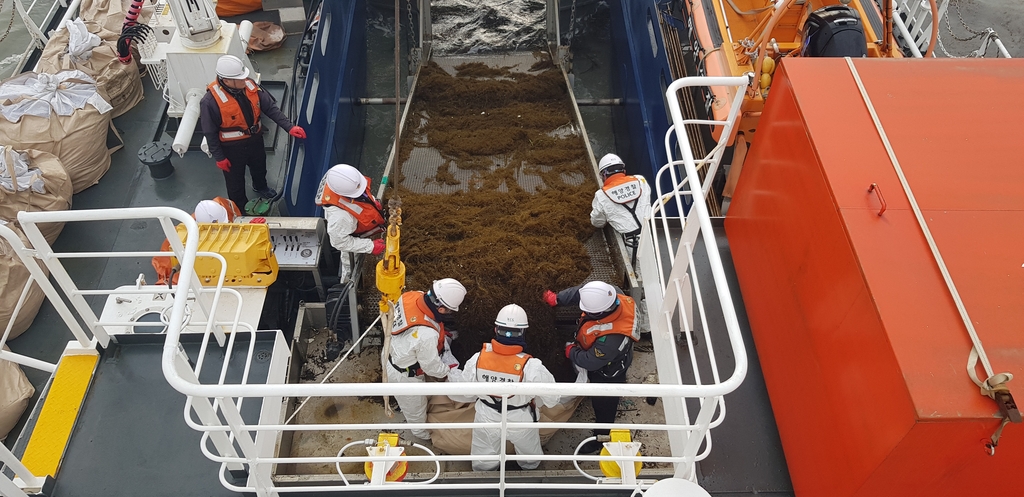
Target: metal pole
887, 28
398, 79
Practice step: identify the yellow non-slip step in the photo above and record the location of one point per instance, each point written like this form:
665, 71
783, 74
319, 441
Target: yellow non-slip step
60, 410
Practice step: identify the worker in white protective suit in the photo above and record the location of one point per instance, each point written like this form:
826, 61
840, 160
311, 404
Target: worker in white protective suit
418, 342
503, 360
353, 215
623, 201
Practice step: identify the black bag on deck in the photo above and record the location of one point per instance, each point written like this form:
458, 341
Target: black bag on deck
834, 31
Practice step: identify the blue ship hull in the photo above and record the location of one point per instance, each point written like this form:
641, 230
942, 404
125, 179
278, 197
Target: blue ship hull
329, 110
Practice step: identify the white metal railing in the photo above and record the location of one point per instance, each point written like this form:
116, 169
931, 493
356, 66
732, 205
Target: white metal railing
88, 330
37, 39
668, 244
914, 25
238, 444
668, 300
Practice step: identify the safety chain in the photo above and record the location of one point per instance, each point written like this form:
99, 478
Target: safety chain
572, 24
942, 47
411, 30
10, 24
963, 23
415, 54
987, 34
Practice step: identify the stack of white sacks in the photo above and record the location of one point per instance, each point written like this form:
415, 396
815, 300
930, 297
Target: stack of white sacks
29, 181
86, 46
53, 143
15, 389
54, 125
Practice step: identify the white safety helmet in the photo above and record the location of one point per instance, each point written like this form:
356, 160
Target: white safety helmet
346, 181
449, 292
610, 160
511, 320
231, 67
596, 297
209, 211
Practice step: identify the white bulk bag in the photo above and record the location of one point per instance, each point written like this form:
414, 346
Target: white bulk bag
64, 114
15, 392
78, 45
13, 275
33, 181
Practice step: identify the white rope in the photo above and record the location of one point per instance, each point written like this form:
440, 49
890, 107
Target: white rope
335, 368
978, 349
388, 322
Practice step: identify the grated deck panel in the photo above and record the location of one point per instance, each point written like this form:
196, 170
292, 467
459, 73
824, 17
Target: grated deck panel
423, 162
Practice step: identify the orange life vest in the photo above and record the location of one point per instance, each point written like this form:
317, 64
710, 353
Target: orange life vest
232, 122
411, 310
501, 363
162, 263
622, 189
369, 219
229, 206
620, 322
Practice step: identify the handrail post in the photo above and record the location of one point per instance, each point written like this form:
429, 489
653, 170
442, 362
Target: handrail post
39, 276
207, 415
7, 486
264, 485
695, 437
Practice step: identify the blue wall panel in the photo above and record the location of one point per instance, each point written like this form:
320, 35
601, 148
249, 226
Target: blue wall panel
334, 83
643, 67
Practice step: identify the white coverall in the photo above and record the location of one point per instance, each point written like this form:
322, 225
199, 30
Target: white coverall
488, 441
417, 344
340, 225
605, 211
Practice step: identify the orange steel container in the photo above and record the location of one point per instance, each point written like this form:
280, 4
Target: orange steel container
862, 347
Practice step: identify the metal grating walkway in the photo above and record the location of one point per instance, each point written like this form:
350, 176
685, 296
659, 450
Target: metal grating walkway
424, 162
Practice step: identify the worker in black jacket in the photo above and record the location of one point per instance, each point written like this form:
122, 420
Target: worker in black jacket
230, 116
608, 327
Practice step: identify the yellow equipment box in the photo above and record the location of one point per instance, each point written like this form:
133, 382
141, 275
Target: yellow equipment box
246, 248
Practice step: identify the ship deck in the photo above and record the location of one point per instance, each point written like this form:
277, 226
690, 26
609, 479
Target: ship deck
132, 435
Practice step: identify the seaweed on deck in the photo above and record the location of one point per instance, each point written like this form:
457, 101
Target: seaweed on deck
517, 223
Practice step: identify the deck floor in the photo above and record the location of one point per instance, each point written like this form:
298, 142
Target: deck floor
130, 405
746, 459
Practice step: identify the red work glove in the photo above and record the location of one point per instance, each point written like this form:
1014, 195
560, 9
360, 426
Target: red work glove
224, 165
258, 220
551, 298
297, 132
378, 246
568, 348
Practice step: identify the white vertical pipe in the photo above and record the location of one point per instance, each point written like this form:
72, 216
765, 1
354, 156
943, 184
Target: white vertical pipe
245, 32
188, 123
